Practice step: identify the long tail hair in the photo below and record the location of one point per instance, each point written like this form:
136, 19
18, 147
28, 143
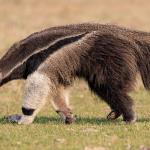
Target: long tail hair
144, 63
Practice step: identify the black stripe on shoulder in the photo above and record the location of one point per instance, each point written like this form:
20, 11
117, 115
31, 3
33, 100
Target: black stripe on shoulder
35, 60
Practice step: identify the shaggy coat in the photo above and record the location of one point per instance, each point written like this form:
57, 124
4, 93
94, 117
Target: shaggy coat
107, 57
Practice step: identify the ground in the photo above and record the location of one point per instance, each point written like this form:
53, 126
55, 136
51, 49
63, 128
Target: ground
91, 131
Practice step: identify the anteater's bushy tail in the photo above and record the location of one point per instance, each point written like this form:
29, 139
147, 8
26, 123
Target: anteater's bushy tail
144, 63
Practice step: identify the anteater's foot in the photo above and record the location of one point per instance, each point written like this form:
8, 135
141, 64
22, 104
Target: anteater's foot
20, 119
130, 118
26, 120
113, 115
13, 118
70, 119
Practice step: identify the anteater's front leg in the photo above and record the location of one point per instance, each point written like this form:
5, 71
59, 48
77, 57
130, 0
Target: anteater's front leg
36, 91
60, 103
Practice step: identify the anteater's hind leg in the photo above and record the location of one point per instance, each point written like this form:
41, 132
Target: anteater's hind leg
60, 103
118, 100
121, 103
106, 94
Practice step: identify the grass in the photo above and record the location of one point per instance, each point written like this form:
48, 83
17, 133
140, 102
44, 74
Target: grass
90, 130
20, 18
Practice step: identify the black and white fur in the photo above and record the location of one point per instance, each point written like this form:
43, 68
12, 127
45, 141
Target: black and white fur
108, 57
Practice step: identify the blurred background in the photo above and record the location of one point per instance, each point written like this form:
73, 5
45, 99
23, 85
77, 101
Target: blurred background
19, 18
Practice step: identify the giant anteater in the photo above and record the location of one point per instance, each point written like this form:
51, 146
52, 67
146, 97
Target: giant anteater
107, 57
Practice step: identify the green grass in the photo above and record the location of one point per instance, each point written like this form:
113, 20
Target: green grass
90, 130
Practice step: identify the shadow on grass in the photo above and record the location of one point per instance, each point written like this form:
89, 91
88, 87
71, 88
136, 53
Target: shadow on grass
79, 120
84, 120
58, 120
